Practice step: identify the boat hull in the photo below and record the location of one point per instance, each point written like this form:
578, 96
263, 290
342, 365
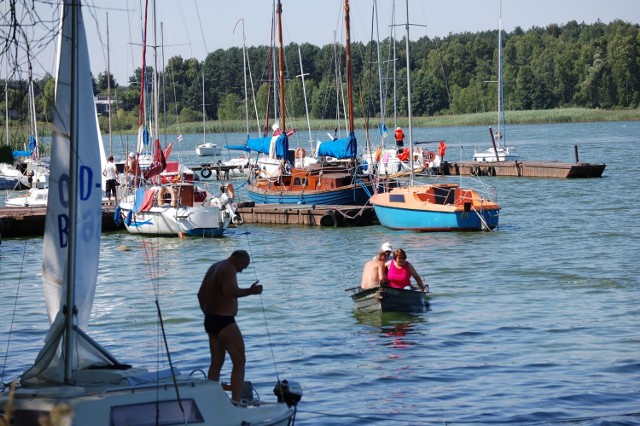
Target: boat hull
208, 150
173, 221
435, 208
351, 195
203, 402
387, 299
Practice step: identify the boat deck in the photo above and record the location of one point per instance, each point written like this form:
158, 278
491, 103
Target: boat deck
306, 214
533, 169
29, 221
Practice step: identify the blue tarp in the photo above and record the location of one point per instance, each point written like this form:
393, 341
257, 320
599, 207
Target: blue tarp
340, 148
238, 147
17, 154
262, 145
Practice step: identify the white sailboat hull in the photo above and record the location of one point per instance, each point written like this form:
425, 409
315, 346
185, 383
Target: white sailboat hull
208, 149
117, 402
209, 221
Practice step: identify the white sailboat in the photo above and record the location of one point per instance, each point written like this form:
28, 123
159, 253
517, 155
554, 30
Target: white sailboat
73, 375
499, 151
171, 204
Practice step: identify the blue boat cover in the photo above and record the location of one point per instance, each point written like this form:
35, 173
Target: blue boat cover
17, 154
340, 148
263, 145
238, 148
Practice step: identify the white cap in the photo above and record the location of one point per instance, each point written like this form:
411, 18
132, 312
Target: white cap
387, 247
132, 154
398, 128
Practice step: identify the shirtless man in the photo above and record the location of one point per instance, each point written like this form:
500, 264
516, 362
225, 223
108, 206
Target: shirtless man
218, 298
373, 273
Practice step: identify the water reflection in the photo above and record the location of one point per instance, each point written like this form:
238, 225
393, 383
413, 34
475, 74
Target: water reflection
397, 329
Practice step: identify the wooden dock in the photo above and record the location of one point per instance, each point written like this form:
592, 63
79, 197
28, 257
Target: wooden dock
305, 214
532, 169
29, 221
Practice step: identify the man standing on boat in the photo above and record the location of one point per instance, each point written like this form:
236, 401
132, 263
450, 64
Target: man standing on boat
218, 298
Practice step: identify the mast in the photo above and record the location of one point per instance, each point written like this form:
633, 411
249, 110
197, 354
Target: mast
382, 106
501, 116
304, 92
204, 113
74, 129
281, 67
109, 87
348, 54
409, 93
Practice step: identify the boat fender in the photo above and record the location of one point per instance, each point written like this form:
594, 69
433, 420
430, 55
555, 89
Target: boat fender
231, 191
117, 216
377, 155
129, 218
301, 153
385, 159
206, 172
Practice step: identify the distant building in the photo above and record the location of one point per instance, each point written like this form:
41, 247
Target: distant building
102, 104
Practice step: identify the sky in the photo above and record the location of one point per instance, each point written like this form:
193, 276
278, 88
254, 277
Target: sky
193, 28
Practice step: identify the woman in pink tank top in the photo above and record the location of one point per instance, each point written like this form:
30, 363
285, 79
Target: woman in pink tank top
400, 271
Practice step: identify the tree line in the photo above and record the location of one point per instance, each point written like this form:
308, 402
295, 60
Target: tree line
571, 65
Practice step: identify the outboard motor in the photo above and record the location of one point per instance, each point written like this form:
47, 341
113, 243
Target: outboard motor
288, 392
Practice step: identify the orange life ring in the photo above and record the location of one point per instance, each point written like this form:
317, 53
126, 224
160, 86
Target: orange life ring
378, 154
404, 155
429, 156
301, 153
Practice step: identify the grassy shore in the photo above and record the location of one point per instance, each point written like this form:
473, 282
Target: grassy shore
565, 115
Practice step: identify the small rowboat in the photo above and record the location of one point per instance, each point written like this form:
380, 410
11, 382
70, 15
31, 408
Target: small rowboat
388, 299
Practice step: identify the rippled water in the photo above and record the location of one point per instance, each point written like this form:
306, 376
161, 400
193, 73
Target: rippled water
534, 323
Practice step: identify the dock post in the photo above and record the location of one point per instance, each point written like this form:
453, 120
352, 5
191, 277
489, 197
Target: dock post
575, 150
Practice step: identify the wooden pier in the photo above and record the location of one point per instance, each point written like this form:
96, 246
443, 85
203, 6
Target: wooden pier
532, 169
29, 221
305, 214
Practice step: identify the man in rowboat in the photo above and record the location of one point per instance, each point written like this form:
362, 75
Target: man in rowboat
218, 298
373, 273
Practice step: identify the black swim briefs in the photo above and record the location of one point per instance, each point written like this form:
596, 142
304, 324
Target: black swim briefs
214, 324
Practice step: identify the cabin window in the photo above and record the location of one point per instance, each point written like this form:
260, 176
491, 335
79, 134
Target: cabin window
396, 198
299, 181
444, 195
167, 412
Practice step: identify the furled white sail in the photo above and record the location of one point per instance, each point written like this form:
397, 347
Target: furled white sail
74, 216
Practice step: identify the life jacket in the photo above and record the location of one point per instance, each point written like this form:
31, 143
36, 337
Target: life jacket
399, 135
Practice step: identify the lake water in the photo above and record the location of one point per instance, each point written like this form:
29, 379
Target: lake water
536, 323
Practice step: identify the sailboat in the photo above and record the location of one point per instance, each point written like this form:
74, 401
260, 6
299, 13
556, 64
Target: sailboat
500, 151
434, 207
73, 375
172, 204
323, 183
206, 148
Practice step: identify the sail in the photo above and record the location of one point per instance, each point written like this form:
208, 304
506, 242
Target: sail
74, 217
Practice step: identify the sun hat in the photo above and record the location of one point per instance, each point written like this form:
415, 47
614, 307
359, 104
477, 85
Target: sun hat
387, 247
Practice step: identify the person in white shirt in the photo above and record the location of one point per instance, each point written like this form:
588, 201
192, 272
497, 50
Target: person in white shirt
111, 173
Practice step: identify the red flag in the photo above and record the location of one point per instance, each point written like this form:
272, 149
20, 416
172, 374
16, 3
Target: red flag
159, 162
